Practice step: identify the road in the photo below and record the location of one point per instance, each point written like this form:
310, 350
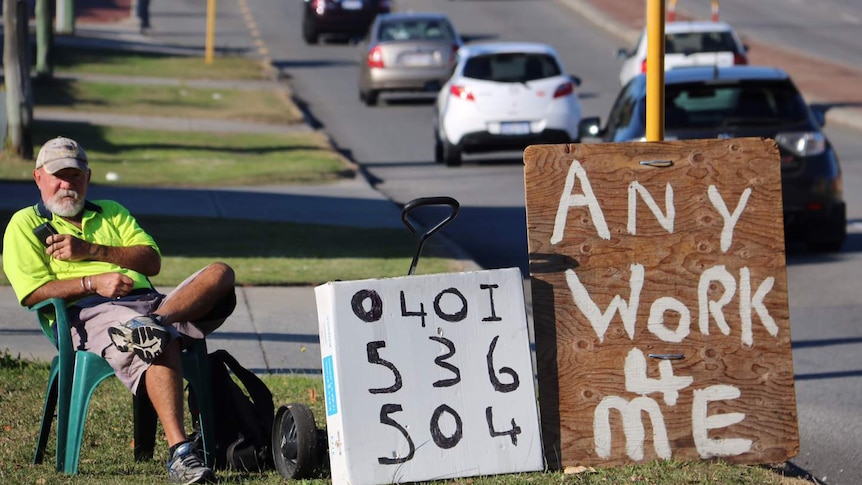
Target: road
393, 144
828, 29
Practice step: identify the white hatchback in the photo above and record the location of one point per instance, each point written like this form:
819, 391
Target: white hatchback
505, 96
688, 44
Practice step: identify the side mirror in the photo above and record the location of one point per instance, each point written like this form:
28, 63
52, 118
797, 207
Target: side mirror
575, 79
819, 114
623, 53
590, 127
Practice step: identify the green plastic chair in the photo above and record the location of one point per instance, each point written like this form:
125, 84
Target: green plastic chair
74, 376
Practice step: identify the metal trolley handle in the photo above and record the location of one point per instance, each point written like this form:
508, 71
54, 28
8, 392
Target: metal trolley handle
423, 201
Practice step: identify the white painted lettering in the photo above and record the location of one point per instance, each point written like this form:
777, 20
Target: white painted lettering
633, 426
714, 308
655, 324
747, 303
600, 321
665, 220
667, 383
568, 199
730, 220
701, 423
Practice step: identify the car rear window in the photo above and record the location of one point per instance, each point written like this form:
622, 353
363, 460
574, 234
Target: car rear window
690, 42
511, 67
714, 105
416, 29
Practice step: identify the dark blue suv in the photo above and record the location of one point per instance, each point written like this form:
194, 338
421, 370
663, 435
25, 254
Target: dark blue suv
747, 101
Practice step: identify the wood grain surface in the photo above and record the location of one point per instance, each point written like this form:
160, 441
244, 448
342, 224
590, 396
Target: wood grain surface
691, 281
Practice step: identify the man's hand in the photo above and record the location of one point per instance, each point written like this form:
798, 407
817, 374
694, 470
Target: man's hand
141, 258
112, 285
69, 248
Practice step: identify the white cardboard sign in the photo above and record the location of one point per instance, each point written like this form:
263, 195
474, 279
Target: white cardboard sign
428, 377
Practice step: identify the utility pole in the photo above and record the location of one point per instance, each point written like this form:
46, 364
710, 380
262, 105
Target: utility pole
16, 64
655, 71
210, 39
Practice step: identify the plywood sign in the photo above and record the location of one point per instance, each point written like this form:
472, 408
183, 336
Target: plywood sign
428, 377
660, 302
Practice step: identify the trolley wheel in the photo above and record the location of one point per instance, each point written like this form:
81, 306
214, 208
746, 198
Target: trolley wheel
295, 442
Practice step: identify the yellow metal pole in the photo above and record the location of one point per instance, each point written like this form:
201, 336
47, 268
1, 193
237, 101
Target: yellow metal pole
655, 71
210, 41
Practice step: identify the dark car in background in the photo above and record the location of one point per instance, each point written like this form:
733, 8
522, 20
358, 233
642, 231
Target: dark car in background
747, 101
349, 18
407, 51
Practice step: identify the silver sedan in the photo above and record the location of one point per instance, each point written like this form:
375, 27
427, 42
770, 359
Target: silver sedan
406, 52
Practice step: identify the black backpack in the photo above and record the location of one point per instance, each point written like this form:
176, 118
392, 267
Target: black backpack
243, 417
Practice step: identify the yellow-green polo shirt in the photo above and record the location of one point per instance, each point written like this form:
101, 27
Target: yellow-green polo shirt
105, 222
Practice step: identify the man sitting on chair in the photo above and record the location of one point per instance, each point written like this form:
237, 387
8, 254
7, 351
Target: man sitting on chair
99, 261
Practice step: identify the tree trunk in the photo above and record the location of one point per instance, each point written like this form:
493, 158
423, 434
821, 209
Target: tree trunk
16, 64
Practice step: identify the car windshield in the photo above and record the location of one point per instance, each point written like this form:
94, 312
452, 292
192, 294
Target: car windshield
691, 42
705, 105
416, 29
511, 67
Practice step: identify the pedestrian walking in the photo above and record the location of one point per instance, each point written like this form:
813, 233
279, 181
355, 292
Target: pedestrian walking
143, 11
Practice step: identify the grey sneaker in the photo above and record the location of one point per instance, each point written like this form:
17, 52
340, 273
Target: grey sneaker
185, 466
145, 335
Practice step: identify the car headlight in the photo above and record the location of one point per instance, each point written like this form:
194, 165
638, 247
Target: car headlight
802, 143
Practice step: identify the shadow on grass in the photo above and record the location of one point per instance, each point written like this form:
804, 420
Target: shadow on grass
95, 139
207, 237
53, 92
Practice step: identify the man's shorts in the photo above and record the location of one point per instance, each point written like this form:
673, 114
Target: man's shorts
91, 317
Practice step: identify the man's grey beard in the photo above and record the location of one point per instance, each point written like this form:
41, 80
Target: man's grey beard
65, 203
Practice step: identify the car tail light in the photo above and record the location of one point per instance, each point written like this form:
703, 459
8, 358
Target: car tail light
461, 92
319, 6
739, 59
454, 50
802, 143
564, 89
643, 66
375, 57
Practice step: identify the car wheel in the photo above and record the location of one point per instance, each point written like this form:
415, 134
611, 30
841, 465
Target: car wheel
370, 98
309, 34
438, 149
451, 154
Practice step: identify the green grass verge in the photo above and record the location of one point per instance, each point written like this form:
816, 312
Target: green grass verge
191, 159
107, 457
283, 253
144, 64
172, 101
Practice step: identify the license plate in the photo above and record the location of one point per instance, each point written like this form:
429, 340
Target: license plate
418, 59
351, 4
515, 128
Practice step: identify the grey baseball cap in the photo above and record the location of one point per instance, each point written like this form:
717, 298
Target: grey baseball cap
60, 153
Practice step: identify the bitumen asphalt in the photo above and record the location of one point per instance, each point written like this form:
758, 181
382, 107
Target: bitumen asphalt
274, 329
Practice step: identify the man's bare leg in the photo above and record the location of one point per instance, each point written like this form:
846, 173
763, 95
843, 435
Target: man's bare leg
194, 300
164, 381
